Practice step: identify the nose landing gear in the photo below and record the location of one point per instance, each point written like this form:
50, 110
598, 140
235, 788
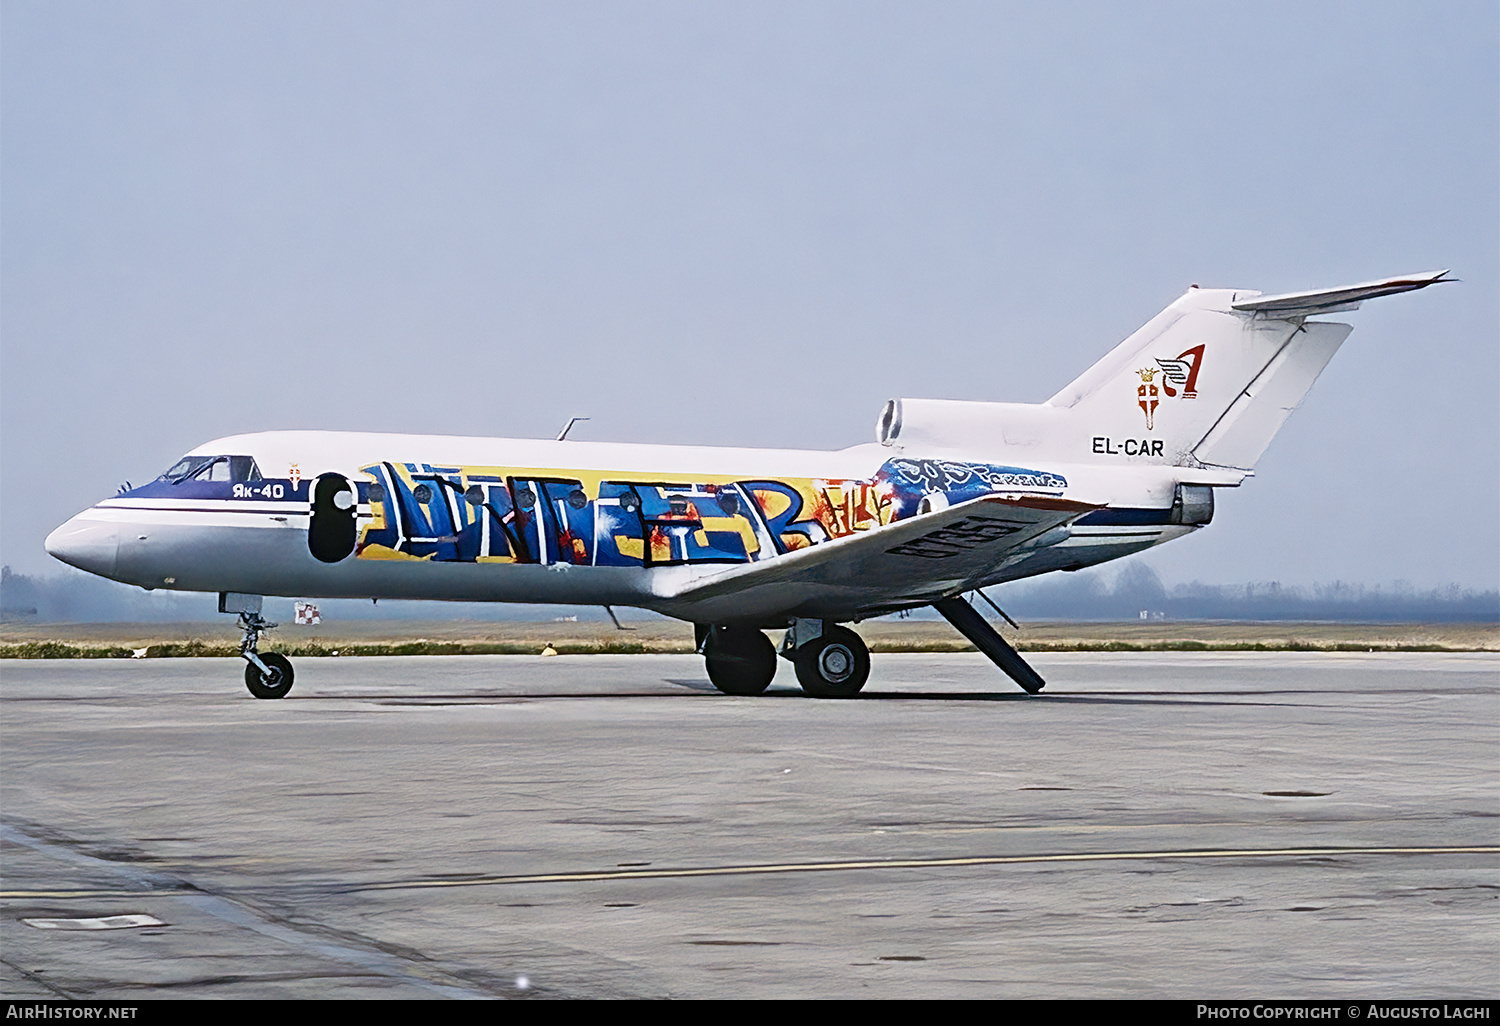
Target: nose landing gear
269, 675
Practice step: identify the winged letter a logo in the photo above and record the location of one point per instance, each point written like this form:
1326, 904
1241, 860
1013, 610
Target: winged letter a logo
1182, 372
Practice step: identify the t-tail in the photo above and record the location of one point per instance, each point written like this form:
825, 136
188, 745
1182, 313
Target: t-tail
1205, 383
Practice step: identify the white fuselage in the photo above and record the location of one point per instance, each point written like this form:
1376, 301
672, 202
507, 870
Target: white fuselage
524, 520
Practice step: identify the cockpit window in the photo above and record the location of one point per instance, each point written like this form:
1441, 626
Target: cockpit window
213, 468
184, 467
243, 468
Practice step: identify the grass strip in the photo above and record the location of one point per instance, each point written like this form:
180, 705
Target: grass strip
217, 649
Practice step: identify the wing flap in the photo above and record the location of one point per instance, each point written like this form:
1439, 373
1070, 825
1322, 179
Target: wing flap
922, 559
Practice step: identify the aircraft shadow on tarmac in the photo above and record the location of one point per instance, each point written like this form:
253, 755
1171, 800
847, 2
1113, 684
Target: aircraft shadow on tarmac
1138, 698
703, 687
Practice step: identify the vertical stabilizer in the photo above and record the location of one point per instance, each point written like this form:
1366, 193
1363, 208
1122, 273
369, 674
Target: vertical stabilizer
1243, 431
1211, 379
1159, 394
1205, 383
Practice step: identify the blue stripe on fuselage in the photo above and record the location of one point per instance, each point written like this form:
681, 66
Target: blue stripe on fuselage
263, 490
1127, 516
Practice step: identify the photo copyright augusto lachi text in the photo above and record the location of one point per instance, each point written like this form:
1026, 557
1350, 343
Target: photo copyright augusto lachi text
1379, 1011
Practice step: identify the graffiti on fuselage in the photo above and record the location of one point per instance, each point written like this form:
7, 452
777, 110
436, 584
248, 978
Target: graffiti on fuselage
959, 481
592, 518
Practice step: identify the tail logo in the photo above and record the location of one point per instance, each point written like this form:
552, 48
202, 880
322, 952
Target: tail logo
1180, 372
1146, 395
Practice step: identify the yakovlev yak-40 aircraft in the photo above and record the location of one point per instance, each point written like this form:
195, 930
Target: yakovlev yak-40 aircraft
952, 497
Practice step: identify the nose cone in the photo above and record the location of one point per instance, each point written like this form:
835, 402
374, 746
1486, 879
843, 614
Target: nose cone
87, 544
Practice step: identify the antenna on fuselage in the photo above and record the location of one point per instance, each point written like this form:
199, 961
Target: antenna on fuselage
563, 434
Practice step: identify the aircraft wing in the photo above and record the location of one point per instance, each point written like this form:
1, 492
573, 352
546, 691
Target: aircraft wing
1302, 304
912, 562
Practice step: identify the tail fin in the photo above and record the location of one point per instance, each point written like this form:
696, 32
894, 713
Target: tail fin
1205, 383
1211, 379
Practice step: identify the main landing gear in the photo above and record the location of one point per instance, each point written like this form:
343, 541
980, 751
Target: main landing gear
740, 660
831, 661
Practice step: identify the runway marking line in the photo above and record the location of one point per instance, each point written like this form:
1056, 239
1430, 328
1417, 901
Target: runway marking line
28, 895
981, 860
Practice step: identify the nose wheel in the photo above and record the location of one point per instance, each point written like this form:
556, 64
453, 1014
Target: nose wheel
272, 682
267, 675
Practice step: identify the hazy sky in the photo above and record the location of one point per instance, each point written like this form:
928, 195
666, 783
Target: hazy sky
747, 224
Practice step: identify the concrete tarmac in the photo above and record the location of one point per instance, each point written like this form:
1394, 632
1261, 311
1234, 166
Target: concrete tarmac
1227, 825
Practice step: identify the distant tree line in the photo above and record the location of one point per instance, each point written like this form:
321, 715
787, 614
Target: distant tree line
1137, 590
75, 597
72, 596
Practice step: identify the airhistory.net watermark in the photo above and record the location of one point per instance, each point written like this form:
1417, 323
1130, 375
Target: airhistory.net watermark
43, 1010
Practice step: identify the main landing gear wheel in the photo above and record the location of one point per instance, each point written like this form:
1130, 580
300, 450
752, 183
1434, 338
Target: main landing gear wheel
274, 684
740, 660
835, 665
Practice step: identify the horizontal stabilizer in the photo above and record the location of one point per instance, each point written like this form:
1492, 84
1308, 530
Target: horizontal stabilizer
1303, 304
